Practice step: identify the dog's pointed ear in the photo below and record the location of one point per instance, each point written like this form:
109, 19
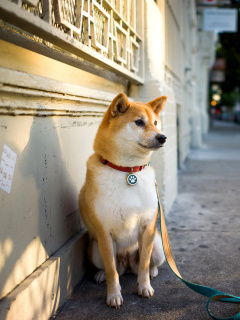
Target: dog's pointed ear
119, 105
158, 104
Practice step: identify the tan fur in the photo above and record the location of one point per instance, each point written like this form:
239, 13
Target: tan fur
121, 218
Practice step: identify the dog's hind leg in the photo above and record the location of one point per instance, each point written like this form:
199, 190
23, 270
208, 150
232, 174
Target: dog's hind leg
157, 257
96, 259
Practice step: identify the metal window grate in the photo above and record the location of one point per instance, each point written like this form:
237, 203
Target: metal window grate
101, 31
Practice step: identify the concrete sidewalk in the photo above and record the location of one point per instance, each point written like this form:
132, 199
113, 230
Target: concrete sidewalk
204, 230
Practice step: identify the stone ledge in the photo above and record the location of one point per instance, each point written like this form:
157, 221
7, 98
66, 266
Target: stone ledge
20, 93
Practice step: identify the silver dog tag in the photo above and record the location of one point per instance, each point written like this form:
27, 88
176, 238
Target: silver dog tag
131, 179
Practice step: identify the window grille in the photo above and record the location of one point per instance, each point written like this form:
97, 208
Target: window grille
107, 33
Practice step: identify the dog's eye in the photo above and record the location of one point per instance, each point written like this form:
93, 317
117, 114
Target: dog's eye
155, 122
139, 123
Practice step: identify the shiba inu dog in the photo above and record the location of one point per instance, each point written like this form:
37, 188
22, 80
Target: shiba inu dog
118, 201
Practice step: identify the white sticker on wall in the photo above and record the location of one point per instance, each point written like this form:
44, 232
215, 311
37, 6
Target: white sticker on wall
7, 166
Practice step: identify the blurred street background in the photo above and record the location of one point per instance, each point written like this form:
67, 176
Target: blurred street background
224, 89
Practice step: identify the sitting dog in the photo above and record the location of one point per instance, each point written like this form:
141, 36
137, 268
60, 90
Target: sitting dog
118, 201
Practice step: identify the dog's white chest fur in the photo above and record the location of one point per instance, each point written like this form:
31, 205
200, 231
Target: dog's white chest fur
124, 210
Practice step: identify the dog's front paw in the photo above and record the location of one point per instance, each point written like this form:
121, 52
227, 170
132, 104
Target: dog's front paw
146, 291
115, 300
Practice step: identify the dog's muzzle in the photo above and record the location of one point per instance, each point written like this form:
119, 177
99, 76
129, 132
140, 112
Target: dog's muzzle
155, 143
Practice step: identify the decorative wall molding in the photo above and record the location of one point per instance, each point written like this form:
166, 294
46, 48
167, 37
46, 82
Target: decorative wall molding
107, 33
25, 94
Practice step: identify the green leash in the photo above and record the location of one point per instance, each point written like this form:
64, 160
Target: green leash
211, 293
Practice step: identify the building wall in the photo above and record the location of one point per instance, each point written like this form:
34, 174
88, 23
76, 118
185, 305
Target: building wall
52, 101
204, 62
165, 160
177, 62
50, 113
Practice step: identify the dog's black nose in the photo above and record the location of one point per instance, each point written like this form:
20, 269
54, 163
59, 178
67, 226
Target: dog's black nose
161, 138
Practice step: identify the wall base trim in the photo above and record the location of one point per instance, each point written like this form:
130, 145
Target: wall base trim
41, 294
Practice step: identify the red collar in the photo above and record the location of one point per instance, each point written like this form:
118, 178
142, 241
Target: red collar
124, 169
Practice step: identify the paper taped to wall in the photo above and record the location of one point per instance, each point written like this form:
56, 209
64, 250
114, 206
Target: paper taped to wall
7, 167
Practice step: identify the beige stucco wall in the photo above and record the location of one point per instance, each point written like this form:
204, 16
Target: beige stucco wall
46, 120
41, 212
